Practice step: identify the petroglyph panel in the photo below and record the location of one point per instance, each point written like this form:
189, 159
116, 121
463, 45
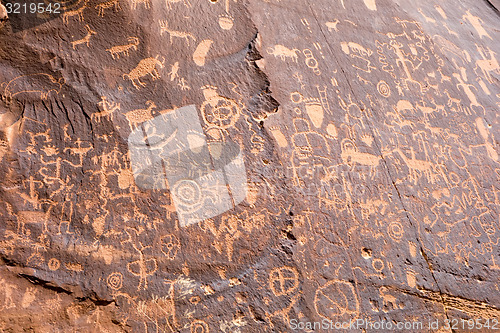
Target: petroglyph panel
231, 166
204, 179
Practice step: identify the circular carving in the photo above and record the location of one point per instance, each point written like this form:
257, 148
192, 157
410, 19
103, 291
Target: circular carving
337, 300
395, 230
199, 326
226, 22
115, 280
54, 264
311, 63
220, 112
378, 265
283, 280
384, 89
170, 246
188, 192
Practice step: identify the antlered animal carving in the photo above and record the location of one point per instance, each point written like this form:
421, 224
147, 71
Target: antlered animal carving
174, 33
124, 49
85, 39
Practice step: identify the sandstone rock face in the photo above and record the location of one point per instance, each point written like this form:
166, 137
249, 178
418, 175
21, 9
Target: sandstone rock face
250, 166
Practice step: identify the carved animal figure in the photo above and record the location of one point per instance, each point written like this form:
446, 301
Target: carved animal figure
426, 110
347, 47
488, 65
124, 49
283, 52
416, 166
443, 77
146, 3
175, 33
41, 83
33, 218
138, 116
388, 299
143, 68
109, 108
404, 105
86, 39
106, 5
447, 46
169, 3
350, 155
451, 100
332, 25
76, 12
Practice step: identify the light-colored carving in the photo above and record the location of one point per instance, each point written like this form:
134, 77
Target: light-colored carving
106, 5
283, 52
476, 23
283, 280
170, 2
219, 111
388, 299
170, 245
32, 217
337, 300
486, 65
359, 52
450, 31
279, 137
226, 22
79, 150
370, 4
201, 51
115, 280
75, 12
40, 83
124, 49
84, 40
143, 267
332, 25
351, 156
135, 117
174, 33
54, 264
32, 197
489, 140
146, 3
145, 67
440, 11
467, 88
417, 167
174, 71
384, 89
199, 326
427, 19
311, 61
107, 109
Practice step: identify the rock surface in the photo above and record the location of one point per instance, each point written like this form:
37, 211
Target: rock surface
343, 165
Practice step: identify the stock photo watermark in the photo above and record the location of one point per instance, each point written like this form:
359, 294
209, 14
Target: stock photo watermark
360, 324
